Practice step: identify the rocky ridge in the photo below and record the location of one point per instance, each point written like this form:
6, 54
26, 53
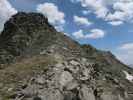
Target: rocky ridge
39, 63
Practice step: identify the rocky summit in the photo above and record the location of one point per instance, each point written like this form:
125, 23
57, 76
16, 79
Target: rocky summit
39, 63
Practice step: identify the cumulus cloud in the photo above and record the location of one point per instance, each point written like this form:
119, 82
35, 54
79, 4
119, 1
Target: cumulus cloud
115, 12
79, 34
97, 6
6, 11
125, 53
81, 20
55, 16
94, 34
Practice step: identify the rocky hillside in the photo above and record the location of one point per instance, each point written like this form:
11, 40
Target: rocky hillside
39, 63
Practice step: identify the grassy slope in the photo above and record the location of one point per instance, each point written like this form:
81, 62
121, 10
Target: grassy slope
21, 72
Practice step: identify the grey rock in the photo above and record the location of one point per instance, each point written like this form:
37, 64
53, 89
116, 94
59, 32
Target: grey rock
86, 93
30, 91
40, 80
75, 63
72, 85
39, 63
65, 78
108, 96
51, 95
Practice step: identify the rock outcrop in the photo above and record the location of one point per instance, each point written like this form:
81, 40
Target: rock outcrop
39, 63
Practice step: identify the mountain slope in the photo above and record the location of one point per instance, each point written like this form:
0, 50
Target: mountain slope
39, 63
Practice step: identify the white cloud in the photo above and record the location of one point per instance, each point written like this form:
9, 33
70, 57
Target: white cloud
79, 34
94, 34
6, 11
55, 16
97, 6
125, 57
127, 46
66, 34
116, 23
115, 12
59, 27
125, 53
81, 20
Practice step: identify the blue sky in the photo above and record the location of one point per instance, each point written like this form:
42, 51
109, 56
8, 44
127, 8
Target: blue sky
107, 25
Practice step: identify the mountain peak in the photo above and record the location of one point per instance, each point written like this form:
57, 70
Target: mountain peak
26, 33
39, 63
24, 22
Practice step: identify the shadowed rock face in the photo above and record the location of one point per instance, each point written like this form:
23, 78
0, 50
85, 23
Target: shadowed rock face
44, 64
28, 34
25, 33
